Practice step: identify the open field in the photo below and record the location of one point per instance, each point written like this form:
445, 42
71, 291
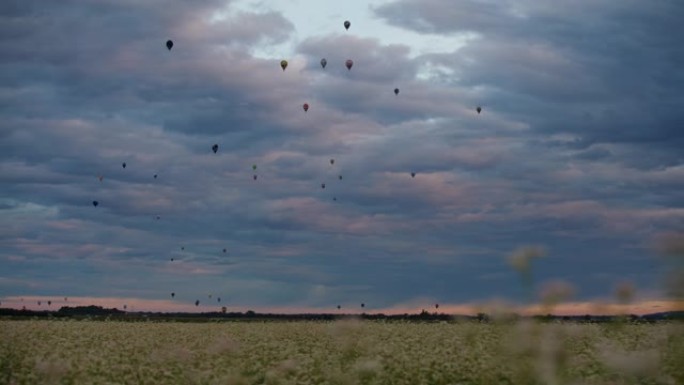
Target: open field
341, 352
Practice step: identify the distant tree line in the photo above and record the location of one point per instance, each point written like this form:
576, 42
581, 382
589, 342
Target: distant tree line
98, 312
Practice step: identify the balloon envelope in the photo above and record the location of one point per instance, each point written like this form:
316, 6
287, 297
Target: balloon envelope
169, 44
95, 203
479, 109
347, 24
396, 91
214, 148
283, 64
324, 62
349, 63
306, 107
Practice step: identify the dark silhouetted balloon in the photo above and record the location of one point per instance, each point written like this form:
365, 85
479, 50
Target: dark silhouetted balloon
254, 167
332, 161
335, 199
347, 24
255, 177
340, 177
123, 164
306, 107
125, 307
158, 217
172, 259
363, 305
95, 203
155, 176
339, 307
413, 175
49, 303
224, 250
349, 63
479, 109
169, 44
436, 306
396, 91
173, 295
283, 64
218, 299
324, 62
197, 303
100, 178
322, 185
214, 148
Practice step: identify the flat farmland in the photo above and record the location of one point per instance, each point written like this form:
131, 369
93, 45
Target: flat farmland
339, 352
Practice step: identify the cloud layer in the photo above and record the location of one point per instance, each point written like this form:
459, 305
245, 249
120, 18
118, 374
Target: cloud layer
577, 148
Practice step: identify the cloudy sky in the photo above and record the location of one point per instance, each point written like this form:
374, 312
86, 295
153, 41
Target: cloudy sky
578, 149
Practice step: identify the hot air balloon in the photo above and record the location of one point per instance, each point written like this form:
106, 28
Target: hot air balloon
332, 161
100, 177
155, 176
123, 164
49, 303
169, 44
322, 185
255, 177
324, 62
172, 259
218, 299
306, 107
436, 306
65, 299
125, 307
254, 167
224, 250
347, 24
340, 177
413, 175
363, 305
214, 148
339, 307
158, 217
396, 91
197, 303
173, 295
283, 64
335, 199
95, 203
349, 63
38, 303
478, 109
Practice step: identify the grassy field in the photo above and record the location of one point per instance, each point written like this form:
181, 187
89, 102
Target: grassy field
341, 352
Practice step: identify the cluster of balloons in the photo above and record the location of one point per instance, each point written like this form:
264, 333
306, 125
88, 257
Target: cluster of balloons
349, 63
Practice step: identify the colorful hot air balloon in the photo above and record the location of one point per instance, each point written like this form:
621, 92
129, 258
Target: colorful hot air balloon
306, 107
349, 63
347, 24
283, 64
479, 109
396, 91
214, 148
324, 62
169, 44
